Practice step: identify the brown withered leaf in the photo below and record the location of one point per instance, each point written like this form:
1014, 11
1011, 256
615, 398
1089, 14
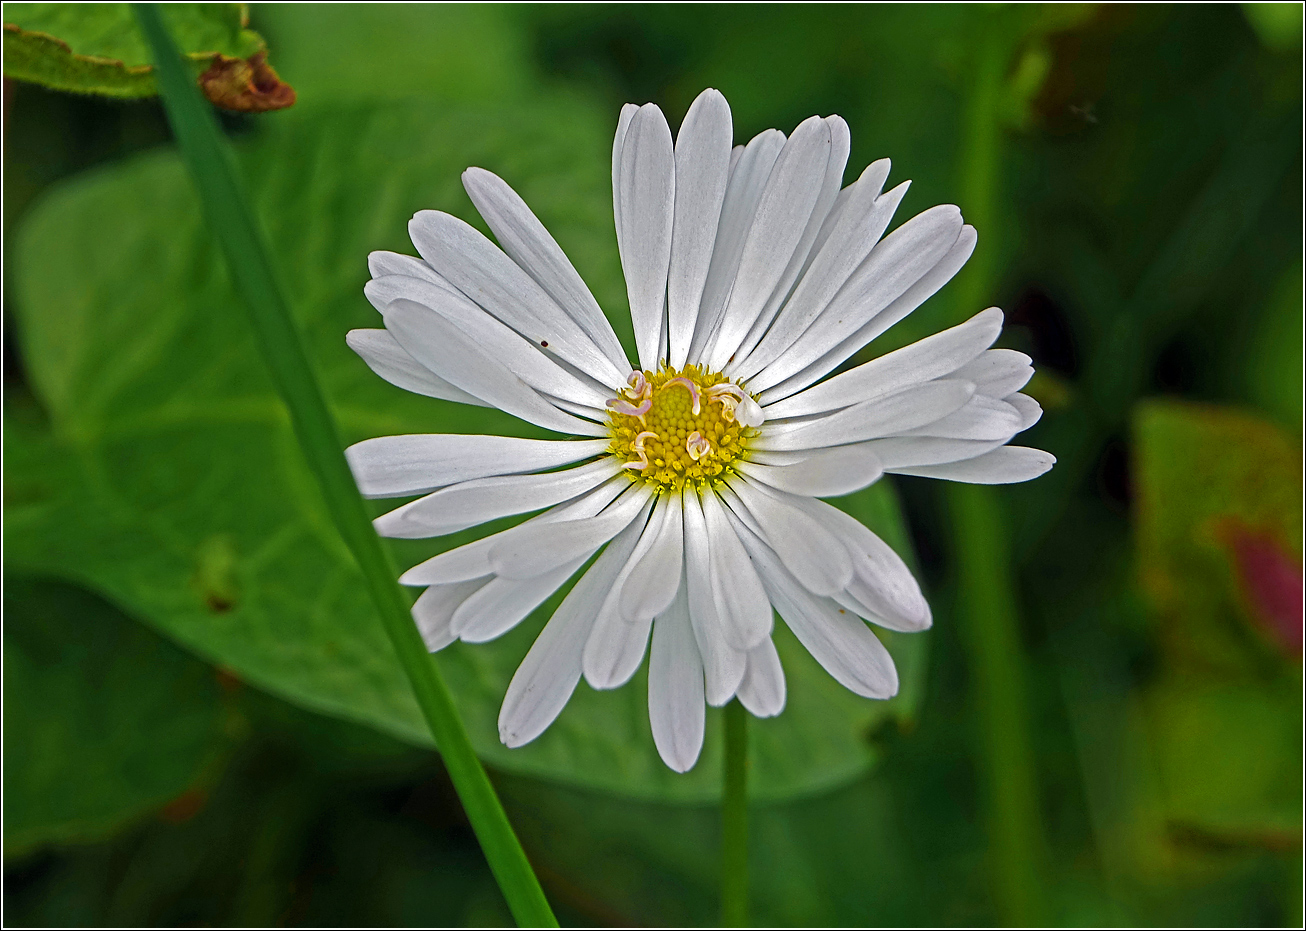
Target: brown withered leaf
247, 85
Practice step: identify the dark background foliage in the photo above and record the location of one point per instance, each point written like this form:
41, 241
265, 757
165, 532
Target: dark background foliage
1135, 176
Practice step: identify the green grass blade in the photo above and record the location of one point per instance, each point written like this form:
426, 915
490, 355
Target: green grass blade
213, 170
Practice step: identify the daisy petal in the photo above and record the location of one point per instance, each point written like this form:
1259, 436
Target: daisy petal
388, 359
748, 176
702, 170
933, 357
530, 245
480, 270
618, 140
916, 295
782, 217
538, 547
475, 502
504, 603
434, 609
675, 687
980, 418
905, 409
723, 665
837, 639
655, 577
840, 470
881, 580
902, 452
472, 560
1003, 466
414, 464
863, 219
897, 263
645, 191
1030, 410
814, 555
442, 347
548, 675
492, 335
741, 601
998, 372
392, 263
763, 690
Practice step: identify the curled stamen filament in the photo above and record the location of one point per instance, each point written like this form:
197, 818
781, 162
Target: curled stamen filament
692, 388
639, 386
637, 447
697, 446
622, 406
728, 396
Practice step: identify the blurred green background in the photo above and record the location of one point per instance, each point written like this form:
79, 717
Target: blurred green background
202, 723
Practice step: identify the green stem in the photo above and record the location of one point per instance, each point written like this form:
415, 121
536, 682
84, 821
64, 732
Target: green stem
987, 611
213, 171
734, 820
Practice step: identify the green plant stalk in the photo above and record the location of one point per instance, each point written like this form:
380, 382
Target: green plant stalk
232, 221
987, 612
734, 820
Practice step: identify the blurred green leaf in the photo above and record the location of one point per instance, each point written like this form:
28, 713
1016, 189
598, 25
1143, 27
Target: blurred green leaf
1272, 371
1199, 468
96, 48
104, 721
1278, 24
171, 480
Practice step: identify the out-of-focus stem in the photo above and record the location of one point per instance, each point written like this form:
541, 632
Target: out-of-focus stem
734, 820
987, 613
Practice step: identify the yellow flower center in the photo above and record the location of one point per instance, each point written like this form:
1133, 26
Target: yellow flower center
677, 427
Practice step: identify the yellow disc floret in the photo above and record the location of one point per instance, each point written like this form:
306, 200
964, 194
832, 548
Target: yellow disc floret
678, 426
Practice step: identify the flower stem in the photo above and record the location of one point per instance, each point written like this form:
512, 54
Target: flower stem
228, 211
734, 820
987, 610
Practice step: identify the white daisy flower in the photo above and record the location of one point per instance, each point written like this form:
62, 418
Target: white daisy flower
697, 478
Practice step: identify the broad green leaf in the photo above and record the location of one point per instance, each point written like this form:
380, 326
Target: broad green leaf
104, 721
96, 48
1206, 478
170, 479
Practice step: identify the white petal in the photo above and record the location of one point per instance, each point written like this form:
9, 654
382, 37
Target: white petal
933, 357
1030, 410
472, 560
905, 409
493, 336
413, 464
897, 263
468, 504
434, 609
1004, 465
840, 142
916, 295
863, 219
763, 690
675, 688
655, 577
837, 639
858, 198
702, 170
442, 347
548, 675
529, 244
723, 665
741, 603
813, 554
881, 580
388, 359
623, 124
900, 452
480, 270
981, 418
538, 548
392, 263
998, 372
645, 190
743, 192
782, 217
827, 473
504, 603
